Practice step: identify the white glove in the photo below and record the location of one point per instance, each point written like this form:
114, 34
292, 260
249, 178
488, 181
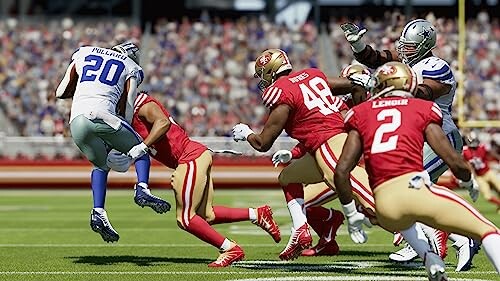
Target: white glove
472, 186
118, 161
281, 156
363, 80
353, 35
138, 151
241, 132
355, 222
419, 180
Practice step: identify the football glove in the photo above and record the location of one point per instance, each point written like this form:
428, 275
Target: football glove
472, 186
138, 151
241, 132
419, 180
281, 156
355, 222
364, 80
353, 35
118, 161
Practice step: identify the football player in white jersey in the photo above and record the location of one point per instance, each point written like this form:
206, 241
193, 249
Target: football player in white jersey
438, 84
103, 83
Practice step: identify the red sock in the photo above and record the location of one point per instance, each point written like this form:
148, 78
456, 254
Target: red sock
494, 200
201, 229
316, 217
293, 191
226, 215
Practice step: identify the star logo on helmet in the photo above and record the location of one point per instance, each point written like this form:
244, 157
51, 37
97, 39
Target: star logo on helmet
426, 33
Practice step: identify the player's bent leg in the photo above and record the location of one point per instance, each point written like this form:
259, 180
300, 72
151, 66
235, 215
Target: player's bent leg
485, 183
123, 140
94, 148
189, 182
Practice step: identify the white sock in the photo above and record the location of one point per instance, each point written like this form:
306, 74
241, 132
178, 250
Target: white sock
226, 245
458, 240
100, 210
143, 185
297, 212
491, 245
252, 214
415, 236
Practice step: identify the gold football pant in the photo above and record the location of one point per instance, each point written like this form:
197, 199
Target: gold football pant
399, 207
485, 183
320, 167
193, 189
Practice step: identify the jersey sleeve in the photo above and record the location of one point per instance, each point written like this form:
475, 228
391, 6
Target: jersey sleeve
136, 72
439, 70
276, 95
350, 120
435, 115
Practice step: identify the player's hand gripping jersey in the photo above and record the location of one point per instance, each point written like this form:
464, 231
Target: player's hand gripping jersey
315, 112
392, 132
102, 75
477, 158
175, 147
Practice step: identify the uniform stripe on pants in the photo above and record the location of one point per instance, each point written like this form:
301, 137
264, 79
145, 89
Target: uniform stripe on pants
444, 193
187, 192
319, 198
358, 188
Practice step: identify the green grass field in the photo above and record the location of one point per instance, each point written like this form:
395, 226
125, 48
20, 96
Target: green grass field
45, 235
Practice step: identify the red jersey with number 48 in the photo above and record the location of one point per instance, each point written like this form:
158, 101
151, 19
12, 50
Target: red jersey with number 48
315, 112
392, 131
172, 149
477, 158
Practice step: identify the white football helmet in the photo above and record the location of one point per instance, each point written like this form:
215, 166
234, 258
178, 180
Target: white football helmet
129, 49
417, 40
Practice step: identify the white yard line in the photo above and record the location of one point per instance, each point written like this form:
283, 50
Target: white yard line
28, 245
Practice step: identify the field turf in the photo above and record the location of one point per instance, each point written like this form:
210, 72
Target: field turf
45, 235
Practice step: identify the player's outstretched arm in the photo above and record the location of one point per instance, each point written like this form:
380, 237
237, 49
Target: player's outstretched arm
363, 53
437, 140
343, 86
431, 89
272, 129
67, 86
154, 115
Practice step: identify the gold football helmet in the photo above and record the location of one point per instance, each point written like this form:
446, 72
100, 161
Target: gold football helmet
394, 76
269, 64
354, 68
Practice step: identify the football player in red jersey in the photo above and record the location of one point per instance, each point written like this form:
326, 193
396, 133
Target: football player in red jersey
390, 132
192, 183
302, 104
324, 221
476, 153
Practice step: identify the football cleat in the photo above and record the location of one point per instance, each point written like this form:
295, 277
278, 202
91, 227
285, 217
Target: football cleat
406, 254
465, 254
300, 239
435, 267
327, 246
143, 197
99, 223
267, 223
228, 257
437, 240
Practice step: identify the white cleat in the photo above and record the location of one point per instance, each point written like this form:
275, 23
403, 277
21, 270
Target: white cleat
406, 254
435, 267
465, 253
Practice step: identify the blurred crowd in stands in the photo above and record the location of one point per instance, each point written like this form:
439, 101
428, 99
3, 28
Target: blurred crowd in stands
203, 71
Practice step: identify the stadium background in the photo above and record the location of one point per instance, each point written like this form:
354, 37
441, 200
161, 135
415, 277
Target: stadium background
198, 56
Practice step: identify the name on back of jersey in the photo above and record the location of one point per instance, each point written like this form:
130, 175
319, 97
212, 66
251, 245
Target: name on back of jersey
385, 103
108, 53
299, 77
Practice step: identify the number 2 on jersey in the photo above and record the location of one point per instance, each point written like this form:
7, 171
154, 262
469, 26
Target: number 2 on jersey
378, 145
110, 73
311, 99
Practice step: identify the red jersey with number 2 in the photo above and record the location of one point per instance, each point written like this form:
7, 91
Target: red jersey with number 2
392, 131
315, 113
172, 149
477, 158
